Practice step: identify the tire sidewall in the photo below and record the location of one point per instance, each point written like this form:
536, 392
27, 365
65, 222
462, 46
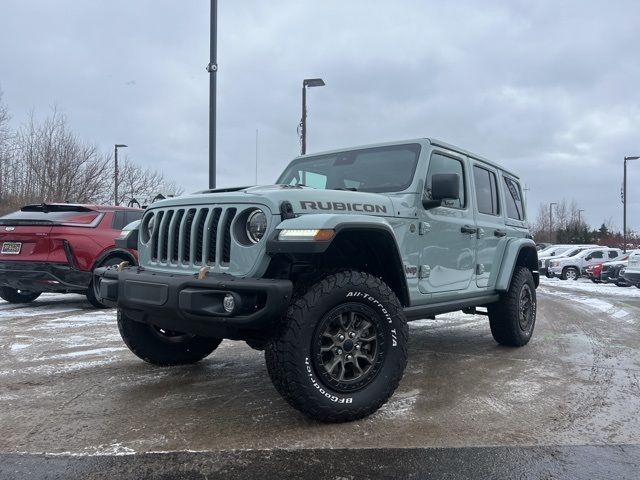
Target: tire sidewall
388, 324
528, 281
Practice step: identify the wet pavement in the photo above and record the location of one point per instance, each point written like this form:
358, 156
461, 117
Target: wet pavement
75, 403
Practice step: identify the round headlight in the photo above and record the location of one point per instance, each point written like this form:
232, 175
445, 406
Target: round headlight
256, 225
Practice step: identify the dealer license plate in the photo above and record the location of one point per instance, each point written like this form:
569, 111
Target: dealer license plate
11, 248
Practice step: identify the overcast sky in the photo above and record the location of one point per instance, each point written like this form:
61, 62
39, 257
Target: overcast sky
549, 89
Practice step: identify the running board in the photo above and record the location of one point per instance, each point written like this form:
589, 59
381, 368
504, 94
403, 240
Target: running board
422, 311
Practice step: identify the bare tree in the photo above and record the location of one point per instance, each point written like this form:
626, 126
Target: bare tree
143, 184
44, 161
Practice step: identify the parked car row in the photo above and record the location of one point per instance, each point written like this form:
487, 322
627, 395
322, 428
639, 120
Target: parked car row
55, 248
599, 264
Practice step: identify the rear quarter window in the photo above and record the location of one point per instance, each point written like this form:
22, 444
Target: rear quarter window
513, 200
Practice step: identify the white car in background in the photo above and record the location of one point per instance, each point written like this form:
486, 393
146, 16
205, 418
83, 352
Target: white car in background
632, 272
545, 256
570, 268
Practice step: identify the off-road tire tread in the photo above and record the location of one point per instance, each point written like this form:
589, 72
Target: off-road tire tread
147, 346
280, 361
503, 315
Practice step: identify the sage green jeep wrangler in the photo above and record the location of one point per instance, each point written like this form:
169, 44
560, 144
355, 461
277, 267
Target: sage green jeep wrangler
324, 269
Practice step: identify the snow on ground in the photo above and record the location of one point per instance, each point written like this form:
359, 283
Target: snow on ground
587, 286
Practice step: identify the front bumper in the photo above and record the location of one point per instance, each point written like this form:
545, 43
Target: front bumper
187, 304
632, 277
43, 277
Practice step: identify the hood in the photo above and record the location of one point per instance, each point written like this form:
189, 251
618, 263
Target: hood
304, 200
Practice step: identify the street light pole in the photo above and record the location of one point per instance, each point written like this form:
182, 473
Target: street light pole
551, 221
307, 82
624, 203
115, 172
579, 218
212, 68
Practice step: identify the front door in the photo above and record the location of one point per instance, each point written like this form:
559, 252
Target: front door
448, 251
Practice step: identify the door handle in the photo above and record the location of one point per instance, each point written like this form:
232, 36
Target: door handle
500, 233
468, 229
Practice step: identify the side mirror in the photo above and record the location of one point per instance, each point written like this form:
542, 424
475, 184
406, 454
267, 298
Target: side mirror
444, 186
589, 257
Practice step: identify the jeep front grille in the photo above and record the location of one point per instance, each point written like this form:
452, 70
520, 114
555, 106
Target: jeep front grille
192, 236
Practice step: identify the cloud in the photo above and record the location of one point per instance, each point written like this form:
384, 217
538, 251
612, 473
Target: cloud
549, 89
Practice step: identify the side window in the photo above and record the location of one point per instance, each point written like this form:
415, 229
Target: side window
613, 254
597, 254
119, 220
486, 190
513, 199
132, 216
442, 164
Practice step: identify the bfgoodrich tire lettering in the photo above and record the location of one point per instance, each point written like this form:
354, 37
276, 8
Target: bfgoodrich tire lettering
513, 317
348, 309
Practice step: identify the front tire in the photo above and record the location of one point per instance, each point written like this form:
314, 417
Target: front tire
513, 317
12, 295
342, 349
570, 273
163, 347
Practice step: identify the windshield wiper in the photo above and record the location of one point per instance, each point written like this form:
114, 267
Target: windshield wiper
351, 189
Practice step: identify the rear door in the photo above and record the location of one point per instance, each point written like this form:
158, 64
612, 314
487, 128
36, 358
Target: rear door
491, 231
448, 254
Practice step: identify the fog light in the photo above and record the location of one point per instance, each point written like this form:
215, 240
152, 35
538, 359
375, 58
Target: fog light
229, 303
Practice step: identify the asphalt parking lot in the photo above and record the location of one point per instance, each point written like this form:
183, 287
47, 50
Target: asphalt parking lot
75, 403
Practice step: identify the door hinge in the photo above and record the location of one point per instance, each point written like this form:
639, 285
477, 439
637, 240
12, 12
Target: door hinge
425, 271
424, 228
479, 269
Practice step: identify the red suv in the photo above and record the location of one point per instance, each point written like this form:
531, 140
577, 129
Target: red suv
55, 247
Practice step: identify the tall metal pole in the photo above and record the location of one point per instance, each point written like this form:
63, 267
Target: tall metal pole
624, 208
551, 221
115, 176
212, 68
115, 171
579, 218
303, 122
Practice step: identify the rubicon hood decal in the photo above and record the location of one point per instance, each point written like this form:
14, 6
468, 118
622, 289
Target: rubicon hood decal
342, 206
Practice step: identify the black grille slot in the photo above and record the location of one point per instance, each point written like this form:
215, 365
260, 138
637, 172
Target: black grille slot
187, 235
164, 236
202, 218
213, 236
226, 243
154, 236
175, 253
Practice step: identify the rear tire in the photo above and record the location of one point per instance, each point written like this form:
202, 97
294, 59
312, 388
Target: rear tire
91, 291
163, 347
342, 349
513, 317
12, 295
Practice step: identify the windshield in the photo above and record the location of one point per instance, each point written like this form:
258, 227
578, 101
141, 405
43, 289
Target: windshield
574, 252
378, 169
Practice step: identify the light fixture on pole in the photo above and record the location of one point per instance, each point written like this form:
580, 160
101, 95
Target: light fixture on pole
115, 173
624, 203
307, 82
551, 220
